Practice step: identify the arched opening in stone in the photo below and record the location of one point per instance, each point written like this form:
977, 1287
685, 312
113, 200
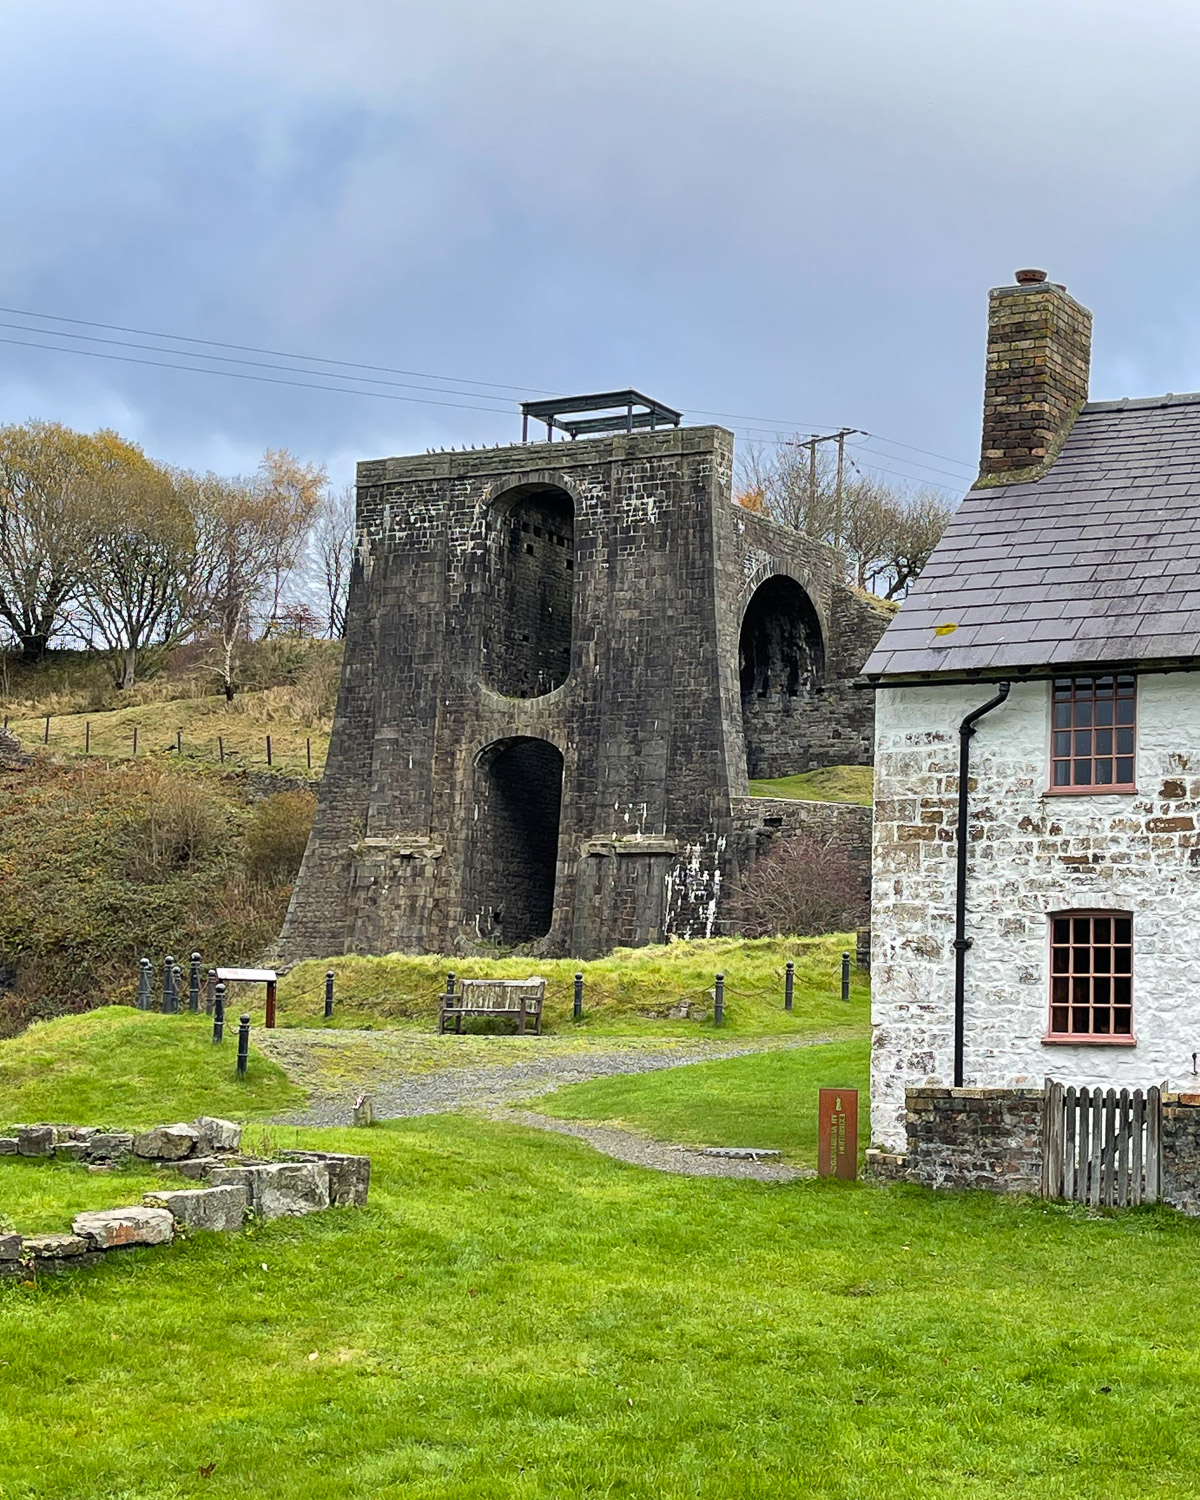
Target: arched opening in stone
518, 800
530, 590
781, 660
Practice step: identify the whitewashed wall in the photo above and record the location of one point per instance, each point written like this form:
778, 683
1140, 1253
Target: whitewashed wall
1031, 854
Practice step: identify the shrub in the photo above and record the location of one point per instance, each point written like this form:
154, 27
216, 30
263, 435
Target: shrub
277, 835
181, 823
802, 887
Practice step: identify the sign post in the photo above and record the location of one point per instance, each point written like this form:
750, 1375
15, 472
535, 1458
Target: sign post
837, 1134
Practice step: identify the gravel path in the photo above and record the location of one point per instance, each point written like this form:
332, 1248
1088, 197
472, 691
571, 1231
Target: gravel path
404, 1078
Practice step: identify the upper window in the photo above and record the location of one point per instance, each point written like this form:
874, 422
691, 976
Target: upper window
1092, 734
1091, 976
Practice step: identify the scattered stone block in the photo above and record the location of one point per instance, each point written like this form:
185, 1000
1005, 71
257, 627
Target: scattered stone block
280, 1189
71, 1150
111, 1227
109, 1146
349, 1176
167, 1142
35, 1140
55, 1246
10, 1247
198, 1167
217, 1135
216, 1208
63, 1133
364, 1114
8, 1145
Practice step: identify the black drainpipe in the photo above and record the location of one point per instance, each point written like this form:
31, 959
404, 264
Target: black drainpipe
961, 941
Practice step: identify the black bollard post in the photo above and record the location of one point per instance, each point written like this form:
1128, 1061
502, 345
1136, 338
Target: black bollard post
166, 996
194, 985
789, 984
219, 1014
210, 992
845, 976
243, 1045
719, 1001
579, 997
176, 988
328, 993
145, 984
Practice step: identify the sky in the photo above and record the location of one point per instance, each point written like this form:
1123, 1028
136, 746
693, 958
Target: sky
777, 214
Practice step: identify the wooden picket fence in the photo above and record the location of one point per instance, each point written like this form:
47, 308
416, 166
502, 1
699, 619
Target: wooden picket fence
1103, 1148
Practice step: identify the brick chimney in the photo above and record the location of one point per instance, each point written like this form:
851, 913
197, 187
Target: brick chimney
1038, 352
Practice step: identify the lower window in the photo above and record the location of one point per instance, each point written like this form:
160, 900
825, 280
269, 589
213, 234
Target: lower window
1091, 975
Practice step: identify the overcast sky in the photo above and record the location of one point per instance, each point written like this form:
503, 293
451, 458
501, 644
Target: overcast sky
778, 209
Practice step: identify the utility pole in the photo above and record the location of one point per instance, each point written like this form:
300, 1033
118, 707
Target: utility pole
839, 437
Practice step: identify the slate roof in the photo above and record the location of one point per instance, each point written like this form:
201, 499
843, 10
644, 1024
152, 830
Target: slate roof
1097, 563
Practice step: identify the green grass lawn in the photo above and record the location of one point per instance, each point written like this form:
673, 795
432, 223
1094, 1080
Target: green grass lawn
42, 1197
516, 1316
830, 784
400, 990
133, 1069
768, 1099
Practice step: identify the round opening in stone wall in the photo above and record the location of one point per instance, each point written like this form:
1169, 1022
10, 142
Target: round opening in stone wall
781, 662
530, 590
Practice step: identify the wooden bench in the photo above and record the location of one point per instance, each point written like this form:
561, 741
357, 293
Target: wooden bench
520, 998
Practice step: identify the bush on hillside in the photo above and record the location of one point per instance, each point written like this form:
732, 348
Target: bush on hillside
277, 835
803, 887
180, 824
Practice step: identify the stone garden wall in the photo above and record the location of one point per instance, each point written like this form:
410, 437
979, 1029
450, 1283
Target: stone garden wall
228, 1186
992, 1139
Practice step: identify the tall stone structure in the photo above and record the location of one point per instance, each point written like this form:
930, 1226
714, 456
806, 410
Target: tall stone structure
562, 662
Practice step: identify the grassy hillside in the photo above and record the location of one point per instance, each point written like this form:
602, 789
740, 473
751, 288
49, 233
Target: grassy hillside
830, 784
129, 1068
768, 1099
619, 990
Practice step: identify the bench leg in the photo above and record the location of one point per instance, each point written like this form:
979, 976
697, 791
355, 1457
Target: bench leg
521, 1020
458, 1024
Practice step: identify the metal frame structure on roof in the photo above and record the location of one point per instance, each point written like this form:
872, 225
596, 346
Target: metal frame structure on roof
611, 411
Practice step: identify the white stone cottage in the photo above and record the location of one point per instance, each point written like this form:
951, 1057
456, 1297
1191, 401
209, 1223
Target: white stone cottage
1063, 939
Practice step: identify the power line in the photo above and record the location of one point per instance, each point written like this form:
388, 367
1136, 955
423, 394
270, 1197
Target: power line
762, 424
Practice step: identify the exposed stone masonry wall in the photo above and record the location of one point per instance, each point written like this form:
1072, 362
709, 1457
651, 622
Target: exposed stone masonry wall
1031, 854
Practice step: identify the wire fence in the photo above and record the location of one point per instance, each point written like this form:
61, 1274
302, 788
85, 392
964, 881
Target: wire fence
138, 741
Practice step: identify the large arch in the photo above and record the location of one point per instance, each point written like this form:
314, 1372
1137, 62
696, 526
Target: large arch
529, 591
781, 663
514, 858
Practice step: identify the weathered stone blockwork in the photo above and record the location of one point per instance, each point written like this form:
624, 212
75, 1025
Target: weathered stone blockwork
1030, 854
465, 565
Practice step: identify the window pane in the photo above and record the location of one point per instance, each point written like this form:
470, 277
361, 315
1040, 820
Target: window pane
1121, 991
1123, 929
1104, 772
1083, 742
1062, 773
1125, 772
1104, 742
1102, 960
1062, 742
1123, 1021
1100, 1020
1061, 960
1080, 1018
1100, 989
1058, 1018
1062, 930
1124, 710
1104, 711
1083, 929
1121, 961
1081, 990
1124, 741
1083, 713
1081, 960
1083, 773
1062, 716
1061, 990
1101, 930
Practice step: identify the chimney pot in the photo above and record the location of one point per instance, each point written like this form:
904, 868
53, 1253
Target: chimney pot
1030, 277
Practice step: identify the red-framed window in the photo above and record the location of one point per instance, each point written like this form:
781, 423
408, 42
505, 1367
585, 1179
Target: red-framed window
1093, 734
1091, 976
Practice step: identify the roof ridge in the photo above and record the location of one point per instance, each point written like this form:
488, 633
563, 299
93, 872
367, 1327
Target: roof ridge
1141, 403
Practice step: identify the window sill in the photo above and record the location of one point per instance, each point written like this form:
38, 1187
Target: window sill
1090, 791
1089, 1041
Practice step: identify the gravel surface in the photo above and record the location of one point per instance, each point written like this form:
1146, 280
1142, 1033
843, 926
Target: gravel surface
398, 1091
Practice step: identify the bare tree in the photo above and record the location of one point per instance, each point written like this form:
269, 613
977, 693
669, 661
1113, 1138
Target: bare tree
291, 493
332, 549
886, 533
236, 552
49, 486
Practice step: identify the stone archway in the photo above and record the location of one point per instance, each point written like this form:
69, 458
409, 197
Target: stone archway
518, 801
781, 664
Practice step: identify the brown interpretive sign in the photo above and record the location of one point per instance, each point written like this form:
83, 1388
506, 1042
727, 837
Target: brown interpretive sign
837, 1134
